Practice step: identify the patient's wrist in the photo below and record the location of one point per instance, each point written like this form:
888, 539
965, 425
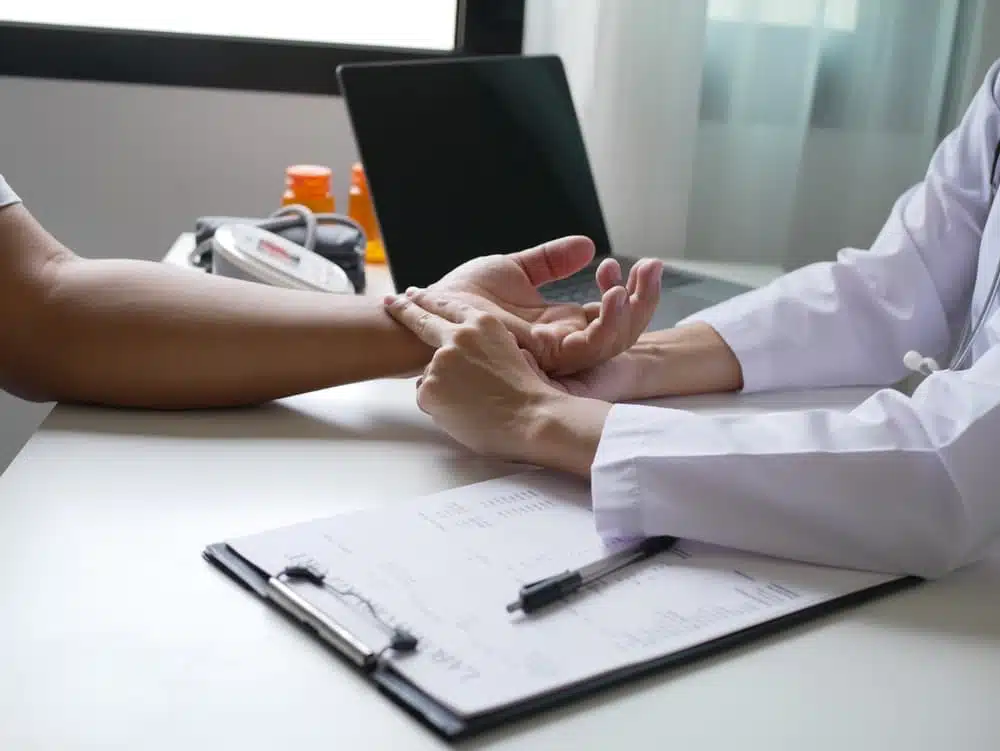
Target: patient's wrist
408, 348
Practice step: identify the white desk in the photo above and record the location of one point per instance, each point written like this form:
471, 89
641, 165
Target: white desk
115, 634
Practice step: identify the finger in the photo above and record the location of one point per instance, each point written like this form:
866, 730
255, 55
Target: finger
591, 310
633, 276
613, 304
609, 274
429, 328
649, 281
556, 259
442, 305
600, 335
647, 295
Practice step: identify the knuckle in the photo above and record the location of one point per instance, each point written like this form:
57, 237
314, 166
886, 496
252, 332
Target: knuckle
445, 356
487, 322
428, 300
465, 336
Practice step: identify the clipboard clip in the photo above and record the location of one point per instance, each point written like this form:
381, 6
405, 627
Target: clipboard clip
400, 640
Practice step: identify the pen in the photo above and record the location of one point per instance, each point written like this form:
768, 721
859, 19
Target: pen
546, 591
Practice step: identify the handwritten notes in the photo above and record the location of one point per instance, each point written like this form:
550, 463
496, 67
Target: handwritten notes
445, 566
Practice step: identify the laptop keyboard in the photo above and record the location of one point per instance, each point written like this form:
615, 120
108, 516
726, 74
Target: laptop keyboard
582, 286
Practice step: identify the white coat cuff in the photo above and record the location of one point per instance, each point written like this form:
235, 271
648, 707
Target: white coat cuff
615, 486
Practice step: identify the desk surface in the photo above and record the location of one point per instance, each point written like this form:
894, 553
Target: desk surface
117, 635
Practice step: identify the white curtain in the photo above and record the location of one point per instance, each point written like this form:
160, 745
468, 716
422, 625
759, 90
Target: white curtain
757, 131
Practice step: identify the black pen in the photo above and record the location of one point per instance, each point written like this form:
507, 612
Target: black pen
546, 591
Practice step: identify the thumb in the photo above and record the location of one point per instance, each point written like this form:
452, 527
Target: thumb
533, 364
555, 259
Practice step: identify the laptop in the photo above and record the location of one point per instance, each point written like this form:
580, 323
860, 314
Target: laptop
469, 156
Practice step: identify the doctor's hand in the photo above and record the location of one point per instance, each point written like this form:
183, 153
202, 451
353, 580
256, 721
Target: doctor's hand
490, 395
563, 338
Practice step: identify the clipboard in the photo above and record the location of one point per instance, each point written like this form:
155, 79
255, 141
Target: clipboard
370, 659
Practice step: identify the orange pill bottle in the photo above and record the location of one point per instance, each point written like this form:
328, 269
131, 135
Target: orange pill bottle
362, 210
309, 185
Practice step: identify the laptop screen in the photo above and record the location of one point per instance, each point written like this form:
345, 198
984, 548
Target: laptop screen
467, 157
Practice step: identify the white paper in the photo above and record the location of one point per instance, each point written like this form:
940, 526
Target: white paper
446, 566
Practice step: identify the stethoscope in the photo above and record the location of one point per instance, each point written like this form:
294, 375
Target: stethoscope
916, 362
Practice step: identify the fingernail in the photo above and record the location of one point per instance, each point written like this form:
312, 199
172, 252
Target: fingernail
411, 291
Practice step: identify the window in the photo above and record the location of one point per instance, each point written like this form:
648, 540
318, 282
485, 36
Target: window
429, 24
837, 15
218, 43
782, 62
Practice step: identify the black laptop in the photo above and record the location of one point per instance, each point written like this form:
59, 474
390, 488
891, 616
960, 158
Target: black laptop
469, 156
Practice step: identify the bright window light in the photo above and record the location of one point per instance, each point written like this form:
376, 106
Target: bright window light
788, 12
725, 10
413, 24
841, 15
838, 15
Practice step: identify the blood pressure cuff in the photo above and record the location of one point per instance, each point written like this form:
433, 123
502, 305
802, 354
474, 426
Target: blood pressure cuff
340, 243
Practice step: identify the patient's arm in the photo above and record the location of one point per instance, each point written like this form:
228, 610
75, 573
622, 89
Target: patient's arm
688, 359
138, 333
142, 334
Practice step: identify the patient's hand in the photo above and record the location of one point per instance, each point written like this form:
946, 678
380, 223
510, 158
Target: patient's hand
564, 338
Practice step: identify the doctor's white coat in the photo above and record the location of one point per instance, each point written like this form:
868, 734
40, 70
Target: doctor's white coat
901, 484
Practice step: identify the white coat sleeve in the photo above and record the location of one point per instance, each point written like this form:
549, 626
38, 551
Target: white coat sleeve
850, 321
903, 485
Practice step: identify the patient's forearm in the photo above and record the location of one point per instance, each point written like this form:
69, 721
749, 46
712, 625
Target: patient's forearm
691, 359
136, 333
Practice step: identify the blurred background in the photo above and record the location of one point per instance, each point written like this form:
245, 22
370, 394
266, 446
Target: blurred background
752, 131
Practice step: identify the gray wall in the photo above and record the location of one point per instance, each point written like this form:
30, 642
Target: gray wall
122, 170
